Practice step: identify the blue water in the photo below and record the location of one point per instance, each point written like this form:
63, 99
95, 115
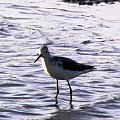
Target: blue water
87, 34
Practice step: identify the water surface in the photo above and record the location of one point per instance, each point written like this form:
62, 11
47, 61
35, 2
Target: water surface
87, 34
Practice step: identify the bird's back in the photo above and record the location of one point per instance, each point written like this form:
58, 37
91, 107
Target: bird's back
69, 64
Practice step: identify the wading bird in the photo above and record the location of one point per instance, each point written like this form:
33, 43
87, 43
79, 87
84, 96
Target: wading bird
61, 68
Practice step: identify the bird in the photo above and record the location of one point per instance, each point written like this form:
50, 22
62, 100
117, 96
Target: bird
61, 68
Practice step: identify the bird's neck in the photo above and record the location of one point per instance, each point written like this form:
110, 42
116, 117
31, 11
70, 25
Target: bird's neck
47, 58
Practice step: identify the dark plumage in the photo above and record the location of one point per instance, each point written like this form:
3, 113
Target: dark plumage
69, 64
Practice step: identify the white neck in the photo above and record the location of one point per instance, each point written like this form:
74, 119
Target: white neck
45, 63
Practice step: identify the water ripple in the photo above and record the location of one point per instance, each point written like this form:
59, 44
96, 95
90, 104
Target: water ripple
26, 92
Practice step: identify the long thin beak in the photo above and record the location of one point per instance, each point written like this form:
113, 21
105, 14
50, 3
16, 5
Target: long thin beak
38, 58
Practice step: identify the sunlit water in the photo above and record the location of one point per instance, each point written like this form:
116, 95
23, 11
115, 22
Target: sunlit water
87, 34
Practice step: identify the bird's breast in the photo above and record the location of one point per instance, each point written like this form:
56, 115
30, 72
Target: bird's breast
44, 66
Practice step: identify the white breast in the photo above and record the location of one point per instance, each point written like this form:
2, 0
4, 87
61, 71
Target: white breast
44, 66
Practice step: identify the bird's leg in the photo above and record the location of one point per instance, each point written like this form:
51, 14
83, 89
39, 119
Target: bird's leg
70, 93
57, 93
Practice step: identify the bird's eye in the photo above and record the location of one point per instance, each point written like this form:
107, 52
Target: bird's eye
45, 50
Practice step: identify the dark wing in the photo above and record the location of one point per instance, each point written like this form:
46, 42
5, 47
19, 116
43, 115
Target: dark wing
72, 65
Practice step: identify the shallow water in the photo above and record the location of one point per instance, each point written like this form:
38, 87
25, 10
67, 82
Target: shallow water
69, 30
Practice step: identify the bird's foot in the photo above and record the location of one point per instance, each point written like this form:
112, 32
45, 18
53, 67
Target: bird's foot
71, 106
56, 100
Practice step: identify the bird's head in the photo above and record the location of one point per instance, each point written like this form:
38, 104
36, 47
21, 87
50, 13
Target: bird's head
44, 52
